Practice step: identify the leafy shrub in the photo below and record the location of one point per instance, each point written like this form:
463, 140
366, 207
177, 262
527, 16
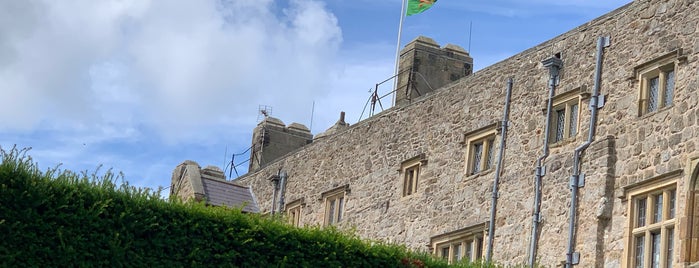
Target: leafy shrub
65, 219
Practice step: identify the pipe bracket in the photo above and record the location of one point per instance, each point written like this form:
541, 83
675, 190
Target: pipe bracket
575, 258
580, 183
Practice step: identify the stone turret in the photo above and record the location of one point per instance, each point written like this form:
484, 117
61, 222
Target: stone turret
271, 139
425, 66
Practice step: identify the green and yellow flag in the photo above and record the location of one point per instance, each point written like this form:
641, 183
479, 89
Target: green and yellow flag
418, 6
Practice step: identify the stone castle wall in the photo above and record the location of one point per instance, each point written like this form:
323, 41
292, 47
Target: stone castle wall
627, 150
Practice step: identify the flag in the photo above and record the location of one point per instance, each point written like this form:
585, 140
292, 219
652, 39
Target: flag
418, 6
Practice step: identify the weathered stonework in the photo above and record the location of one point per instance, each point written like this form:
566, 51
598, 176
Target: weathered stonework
628, 149
272, 140
425, 66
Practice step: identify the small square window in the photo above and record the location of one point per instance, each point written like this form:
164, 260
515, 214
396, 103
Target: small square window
334, 204
481, 154
410, 179
293, 212
333, 208
657, 89
656, 83
480, 151
410, 169
564, 115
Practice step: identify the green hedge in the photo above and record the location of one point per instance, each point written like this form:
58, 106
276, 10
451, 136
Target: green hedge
65, 219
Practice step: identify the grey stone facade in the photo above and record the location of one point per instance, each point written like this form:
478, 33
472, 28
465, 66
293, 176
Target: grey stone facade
632, 150
425, 66
271, 139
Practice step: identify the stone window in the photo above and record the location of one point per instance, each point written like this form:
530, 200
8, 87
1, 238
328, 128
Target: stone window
461, 245
652, 220
657, 83
410, 169
334, 204
480, 151
565, 114
293, 212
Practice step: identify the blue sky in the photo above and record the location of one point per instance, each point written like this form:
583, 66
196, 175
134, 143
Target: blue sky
142, 85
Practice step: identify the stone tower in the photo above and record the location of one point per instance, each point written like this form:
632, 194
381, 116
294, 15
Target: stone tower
271, 139
425, 66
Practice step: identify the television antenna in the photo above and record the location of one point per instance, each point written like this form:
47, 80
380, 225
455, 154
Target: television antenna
263, 111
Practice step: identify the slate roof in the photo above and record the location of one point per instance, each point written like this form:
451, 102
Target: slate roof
224, 193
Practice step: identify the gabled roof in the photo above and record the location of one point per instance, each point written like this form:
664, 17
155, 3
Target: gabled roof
191, 182
224, 193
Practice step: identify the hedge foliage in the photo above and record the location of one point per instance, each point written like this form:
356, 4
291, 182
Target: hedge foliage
65, 219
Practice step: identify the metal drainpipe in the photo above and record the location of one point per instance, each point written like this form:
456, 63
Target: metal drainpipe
575, 184
554, 64
493, 207
282, 190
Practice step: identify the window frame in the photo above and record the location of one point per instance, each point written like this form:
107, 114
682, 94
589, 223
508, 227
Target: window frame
667, 227
565, 101
293, 211
335, 202
485, 136
656, 68
470, 240
414, 164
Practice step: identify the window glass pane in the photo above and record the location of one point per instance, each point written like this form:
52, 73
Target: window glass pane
560, 124
409, 175
416, 171
445, 253
457, 252
331, 211
340, 208
469, 251
653, 94
672, 204
573, 124
658, 208
638, 260
477, 155
669, 87
294, 216
670, 247
479, 248
655, 250
489, 163
641, 212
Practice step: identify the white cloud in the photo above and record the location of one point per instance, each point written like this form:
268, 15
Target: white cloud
170, 65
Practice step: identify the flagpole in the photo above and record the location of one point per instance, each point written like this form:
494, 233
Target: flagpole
400, 31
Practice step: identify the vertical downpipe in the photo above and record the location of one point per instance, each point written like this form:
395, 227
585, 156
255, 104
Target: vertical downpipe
498, 168
602, 42
554, 64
